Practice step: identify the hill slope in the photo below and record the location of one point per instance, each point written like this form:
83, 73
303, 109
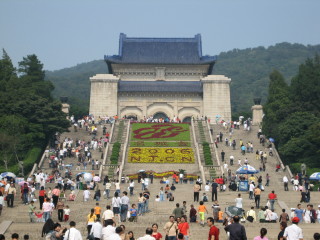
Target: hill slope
249, 70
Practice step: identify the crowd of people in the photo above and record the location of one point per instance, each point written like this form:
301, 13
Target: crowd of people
130, 205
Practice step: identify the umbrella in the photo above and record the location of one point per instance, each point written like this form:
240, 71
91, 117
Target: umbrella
81, 173
271, 140
218, 116
141, 170
68, 165
87, 177
96, 179
22, 183
232, 211
246, 169
315, 176
8, 175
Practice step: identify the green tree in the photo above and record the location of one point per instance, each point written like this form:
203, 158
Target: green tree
305, 86
276, 107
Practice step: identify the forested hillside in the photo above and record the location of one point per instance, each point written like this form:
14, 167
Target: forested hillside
249, 70
29, 116
292, 115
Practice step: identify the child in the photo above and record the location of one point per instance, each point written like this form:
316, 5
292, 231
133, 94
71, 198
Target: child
31, 211
133, 214
97, 211
205, 197
39, 216
66, 213
220, 216
184, 207
202, 208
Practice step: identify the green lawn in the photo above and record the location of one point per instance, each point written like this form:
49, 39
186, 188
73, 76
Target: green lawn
160, 132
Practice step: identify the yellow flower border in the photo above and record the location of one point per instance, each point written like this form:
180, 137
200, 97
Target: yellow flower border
160, 155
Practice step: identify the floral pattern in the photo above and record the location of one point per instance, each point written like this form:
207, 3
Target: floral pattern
160, 155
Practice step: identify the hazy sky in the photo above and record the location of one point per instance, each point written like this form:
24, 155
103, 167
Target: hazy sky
63, 33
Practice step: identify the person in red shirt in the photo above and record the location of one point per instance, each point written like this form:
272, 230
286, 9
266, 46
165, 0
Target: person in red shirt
272, 197
214, 231
184, 227
155, 232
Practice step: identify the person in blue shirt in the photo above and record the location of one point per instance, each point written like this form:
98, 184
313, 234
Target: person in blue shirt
299, 213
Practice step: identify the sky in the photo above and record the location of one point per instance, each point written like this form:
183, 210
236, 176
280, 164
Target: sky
65, 33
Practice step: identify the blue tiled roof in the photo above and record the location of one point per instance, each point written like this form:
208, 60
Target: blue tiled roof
160, 51
160, 86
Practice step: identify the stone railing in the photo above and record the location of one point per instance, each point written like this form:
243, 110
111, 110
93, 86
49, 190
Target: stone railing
284, 167
106, 150
34, 169
198, 153
124, 151
215, 148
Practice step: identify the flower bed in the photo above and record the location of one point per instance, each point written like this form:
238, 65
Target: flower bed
160, 144
160, 155
163, 174
160, 132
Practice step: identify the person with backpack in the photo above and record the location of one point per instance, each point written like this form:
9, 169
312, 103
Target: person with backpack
284, 217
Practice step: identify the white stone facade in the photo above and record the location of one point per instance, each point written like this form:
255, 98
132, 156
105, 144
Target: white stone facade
106, 100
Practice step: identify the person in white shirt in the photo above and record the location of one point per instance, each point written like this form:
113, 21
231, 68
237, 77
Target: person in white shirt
148, 235
268, 214
285, 183
131, 187
225, 166
274, 216
116, 235
117, 184
107, 215
207, 187
86, 195
238, 201
251, 189
125, 202
96, 229
295, 184
239, 162
293, 232
318, 213
72, 233
108, 230
108, 187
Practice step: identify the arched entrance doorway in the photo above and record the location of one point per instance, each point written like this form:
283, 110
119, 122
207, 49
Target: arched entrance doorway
187, 120
132, 117
159, 115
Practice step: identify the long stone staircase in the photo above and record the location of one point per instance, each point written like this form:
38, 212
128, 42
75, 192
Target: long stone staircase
160, 211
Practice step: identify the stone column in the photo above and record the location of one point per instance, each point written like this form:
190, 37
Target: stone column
257, 114
65, 108
104, 95
216, 97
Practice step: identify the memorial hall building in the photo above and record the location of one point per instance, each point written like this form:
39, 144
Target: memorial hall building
160, 77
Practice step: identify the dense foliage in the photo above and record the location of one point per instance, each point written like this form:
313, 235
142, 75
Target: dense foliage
29, 116
248, 69
292, 114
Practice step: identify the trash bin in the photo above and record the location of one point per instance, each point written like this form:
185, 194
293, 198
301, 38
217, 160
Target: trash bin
81, 186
